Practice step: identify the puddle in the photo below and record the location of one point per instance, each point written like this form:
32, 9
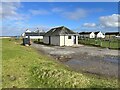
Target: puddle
112, 59
101, 66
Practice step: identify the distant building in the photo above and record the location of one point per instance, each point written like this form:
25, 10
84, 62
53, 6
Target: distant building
61, 36
91, 35
85, 34
28, 31
33, 35
99, 34
112, 34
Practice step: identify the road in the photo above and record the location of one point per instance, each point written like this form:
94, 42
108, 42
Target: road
88, 59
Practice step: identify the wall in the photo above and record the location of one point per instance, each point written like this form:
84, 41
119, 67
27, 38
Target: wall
35, 37
59, 40
92, 35
100, 35
86, 35
46, 40
64, 41
55, 40
76, 40
111, 36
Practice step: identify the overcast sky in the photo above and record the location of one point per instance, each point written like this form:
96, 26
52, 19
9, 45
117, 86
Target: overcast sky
78, 16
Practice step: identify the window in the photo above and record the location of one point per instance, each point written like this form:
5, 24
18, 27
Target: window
69, 37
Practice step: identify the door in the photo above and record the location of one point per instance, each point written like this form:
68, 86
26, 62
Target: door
74, 39
49, 40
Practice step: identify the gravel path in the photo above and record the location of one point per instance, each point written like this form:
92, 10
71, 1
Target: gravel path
85, 58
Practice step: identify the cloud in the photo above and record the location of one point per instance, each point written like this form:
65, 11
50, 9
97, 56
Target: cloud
72, 15
9, 10
45, 12
13, 27
13, 21
89, 25
105, 23
57, 9
75, 15
39, 12
111, 20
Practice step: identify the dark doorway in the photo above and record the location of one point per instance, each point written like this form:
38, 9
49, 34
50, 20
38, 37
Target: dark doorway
74, 39
49, 40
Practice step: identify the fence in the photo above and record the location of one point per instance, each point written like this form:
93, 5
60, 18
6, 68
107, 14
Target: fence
106, 43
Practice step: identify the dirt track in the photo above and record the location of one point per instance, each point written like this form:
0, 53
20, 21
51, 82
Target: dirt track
85, 58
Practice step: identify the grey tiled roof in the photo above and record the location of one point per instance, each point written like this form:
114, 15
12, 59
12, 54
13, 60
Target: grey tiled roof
112, 33
60, 31
34, 33
84, 32
96, 32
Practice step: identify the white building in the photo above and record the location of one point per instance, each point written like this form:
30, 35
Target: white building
92, 35
61, 36
99, 34
87, 35
112, 34
28, 31
33, 35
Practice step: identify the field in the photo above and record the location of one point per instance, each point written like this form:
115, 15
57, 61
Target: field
112, 43
24, 67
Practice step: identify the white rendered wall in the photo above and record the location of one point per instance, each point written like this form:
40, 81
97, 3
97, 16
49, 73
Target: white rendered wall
92, 35
69, 42
76, 40
100, 35
60, 40
35, 37
64, 41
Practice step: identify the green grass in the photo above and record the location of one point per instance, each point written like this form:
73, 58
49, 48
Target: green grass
113, 44
35, 70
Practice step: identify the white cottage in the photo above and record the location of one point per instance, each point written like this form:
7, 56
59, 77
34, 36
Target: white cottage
99, 34
92, 35
87, 35
33, 35
61, 36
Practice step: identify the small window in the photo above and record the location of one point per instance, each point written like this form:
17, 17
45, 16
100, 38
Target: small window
69, 37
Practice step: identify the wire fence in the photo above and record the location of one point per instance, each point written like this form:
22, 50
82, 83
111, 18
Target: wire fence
105, 43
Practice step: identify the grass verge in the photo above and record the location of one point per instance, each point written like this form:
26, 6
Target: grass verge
23, 67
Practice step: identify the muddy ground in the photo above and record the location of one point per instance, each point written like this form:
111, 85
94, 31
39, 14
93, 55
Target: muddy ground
88, 59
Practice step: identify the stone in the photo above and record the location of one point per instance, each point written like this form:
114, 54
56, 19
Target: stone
12, 78
26, 45
14, 86
56, 58
61, 56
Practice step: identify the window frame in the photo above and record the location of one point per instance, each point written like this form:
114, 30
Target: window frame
69, 37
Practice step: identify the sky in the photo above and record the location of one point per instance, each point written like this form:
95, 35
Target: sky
78, 16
